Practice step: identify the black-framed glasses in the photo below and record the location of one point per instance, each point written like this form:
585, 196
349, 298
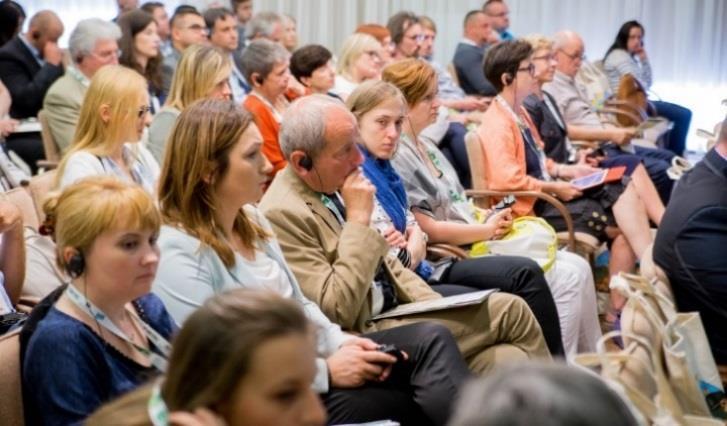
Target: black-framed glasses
143, 111
530, 69
574, 56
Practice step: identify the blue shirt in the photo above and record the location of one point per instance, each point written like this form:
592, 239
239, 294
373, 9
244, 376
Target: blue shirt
69, 371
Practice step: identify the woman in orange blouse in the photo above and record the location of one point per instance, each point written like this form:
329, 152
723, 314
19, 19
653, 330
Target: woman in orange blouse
515, 160
266, 67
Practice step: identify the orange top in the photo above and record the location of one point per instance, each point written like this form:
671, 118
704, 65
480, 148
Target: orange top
269, 129
504, 150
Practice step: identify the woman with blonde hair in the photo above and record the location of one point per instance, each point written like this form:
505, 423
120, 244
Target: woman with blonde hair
202, 72
103, 333
114, 113
443, 211
214, 239
360, 59
230, 361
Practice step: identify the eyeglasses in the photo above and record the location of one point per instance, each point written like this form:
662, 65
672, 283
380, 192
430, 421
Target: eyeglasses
574, 56
143, 110
530, 69
108, 55
548, 58
198, 28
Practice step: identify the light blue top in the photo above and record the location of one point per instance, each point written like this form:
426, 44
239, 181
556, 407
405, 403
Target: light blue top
189, 273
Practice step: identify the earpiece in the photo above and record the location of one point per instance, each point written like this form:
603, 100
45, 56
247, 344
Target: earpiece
76, 265
258, 80
35, 35
306, 162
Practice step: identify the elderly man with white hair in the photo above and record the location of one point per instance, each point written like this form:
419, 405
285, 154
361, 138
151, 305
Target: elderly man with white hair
93, 44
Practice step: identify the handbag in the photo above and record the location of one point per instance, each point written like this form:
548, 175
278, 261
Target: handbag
687, 356
529, 236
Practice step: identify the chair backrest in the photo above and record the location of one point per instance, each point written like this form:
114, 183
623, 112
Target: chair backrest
476, 156
40, 186
52, 153
11, 402
22, 198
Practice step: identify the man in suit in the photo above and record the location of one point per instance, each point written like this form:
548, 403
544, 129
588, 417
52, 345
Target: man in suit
92, 45
29, 64
187, 28
223, 34
690, 241
320, 207
470, 53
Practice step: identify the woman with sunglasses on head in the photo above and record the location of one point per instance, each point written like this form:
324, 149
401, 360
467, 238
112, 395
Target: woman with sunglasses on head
360, 59
244, 358
114, 113
615, 212
215, 239
102, 334
202, 72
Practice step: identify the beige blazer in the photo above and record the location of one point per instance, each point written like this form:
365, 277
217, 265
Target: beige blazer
62, 106
335, 264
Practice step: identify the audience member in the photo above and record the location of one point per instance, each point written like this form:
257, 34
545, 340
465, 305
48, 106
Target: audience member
360, 59
237, 249
113, 116
443, 211
102, 334
515, 161
203, 72
312, 66
320, 208
187, 29
499, 15
223, 35
12, 251
140, 51
549, 395
7, 124
230, 363
689, 242
290, 33
628, 56
470, 54
584, 124
267, 68
93, 44
12, 17
380, 33
125, 6
243, 12
406, 34
29, 64
267, 25
159, 13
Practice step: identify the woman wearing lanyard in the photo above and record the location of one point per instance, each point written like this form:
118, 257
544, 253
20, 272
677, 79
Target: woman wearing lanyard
113, 116
266, 68
103, 334
515, 160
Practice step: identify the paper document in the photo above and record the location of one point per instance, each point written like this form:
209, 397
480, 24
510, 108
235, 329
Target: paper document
450, 302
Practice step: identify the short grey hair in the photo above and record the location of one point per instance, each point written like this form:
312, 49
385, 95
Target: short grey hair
262, 24
563, 38
260, 57
88, 31
303, 127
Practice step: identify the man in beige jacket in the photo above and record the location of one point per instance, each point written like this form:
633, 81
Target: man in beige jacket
341, 262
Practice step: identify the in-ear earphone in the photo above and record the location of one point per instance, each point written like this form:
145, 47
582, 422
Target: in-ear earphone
306, 162
76, 265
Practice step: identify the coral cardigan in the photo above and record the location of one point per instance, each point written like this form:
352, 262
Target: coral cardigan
269, 129
504, 149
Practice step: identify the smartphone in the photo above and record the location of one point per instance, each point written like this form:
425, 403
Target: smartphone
505, 203
393, 351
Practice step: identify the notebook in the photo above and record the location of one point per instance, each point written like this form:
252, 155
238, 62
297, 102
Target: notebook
458, 301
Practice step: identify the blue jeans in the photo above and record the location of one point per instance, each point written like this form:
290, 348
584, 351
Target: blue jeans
676, 139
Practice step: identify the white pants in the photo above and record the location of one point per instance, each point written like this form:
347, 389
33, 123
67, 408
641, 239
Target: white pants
571, 283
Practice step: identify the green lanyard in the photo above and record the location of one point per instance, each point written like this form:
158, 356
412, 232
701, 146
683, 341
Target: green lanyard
330, 205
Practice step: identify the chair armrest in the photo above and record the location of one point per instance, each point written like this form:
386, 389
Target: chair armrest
47, 165
627, 107
475, 193
440, 250
634, 119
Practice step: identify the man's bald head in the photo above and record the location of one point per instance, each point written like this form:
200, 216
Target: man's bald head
45, 26
569, 52
563, 39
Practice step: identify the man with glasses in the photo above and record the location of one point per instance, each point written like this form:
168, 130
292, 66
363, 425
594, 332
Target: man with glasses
406, 34
583, 123
92, 45
499, 15
470, 54
187, 28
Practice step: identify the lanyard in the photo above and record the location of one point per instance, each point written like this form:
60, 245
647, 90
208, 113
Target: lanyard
330, 205
527, 136
157, 408
158, 361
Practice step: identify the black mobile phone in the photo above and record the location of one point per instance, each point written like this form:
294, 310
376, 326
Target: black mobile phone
393, 351
598, 152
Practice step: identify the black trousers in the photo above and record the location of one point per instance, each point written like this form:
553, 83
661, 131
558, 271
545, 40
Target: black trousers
419, 391
28, 146
511, 274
